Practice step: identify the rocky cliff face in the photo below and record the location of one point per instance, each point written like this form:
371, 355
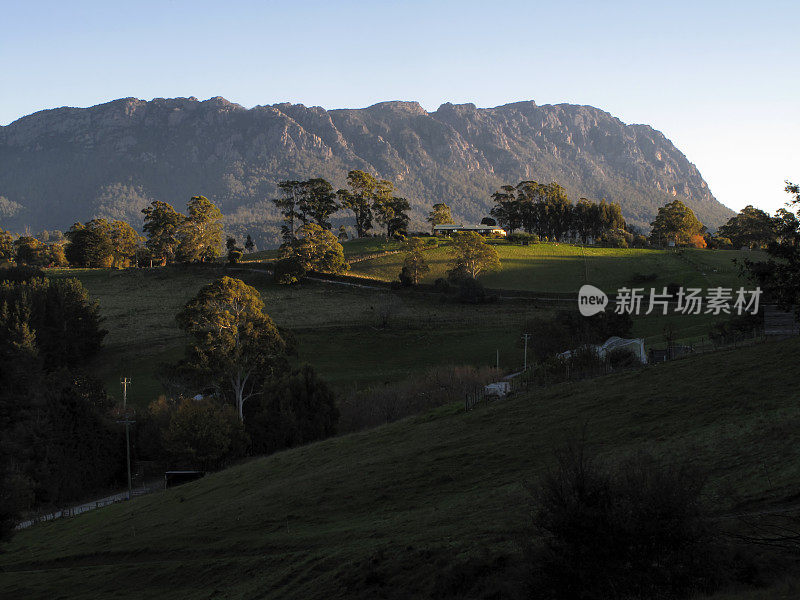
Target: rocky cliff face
68, 164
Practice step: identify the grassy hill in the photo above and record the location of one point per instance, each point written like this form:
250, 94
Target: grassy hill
425, 507
139, 308
551, 267
338, 329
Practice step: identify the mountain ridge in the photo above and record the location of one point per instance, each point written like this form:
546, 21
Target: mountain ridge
66, 164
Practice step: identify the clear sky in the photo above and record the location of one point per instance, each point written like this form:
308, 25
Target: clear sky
720, 78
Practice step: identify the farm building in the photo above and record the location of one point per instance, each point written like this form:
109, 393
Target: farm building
482, 229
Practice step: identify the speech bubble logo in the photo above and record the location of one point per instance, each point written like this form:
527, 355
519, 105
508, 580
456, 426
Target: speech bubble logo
591, 300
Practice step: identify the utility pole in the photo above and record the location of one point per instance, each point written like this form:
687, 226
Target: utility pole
125, 382
585, 264
525, 337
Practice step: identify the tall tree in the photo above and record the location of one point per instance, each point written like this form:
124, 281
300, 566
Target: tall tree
440, 215
582, 218
779, 276
161, 226
317, 249
365, 190
394, 214
318, 202
249, 245
507, 208
90, 244
675, 222
99, 243
6, 246
236, 346
30, 251
65, 323
752, 227
414, 264
472, 255
200, 234
383, 204
125, 243
289, 205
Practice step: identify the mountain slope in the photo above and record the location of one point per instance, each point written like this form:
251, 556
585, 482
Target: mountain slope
110, 160
426, 507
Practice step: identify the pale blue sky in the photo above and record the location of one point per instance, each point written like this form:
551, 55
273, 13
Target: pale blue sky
720, 79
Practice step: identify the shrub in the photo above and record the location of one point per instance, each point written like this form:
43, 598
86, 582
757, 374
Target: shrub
523, 238
437, 386
736, 328
697, 241
636, 529
288, 270
617, 238
295, 409
20, 274
622, 358
201, 433
471, 291
569, 330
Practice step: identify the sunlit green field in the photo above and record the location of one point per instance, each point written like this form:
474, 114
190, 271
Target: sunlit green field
564, 268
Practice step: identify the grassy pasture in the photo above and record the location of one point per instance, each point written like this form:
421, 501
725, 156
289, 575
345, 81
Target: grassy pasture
338, 328
425, 507
551, 267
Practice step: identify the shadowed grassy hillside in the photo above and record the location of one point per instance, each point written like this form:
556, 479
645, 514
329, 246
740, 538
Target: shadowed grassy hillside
426, 507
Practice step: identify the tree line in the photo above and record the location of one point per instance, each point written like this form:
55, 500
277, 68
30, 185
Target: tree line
170, 236
750, 228
544, 209
369, 199
58, 440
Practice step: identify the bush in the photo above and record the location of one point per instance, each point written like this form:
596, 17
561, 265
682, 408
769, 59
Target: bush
471, 291
296, 409
288, 270
200, 433
636, 529
622, 358
697, 241
20, 274
617, 238
16, 495
569, 330
736, 328
523, 238
387, 403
